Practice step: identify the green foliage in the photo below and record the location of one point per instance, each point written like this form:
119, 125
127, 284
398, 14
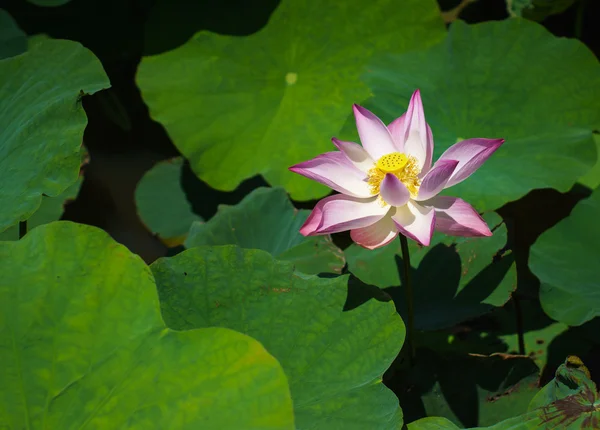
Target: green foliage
565, 259
267, 220
571, 377
539, 333
50, 210
484, 80
537, 10
455, 279
253, 327
569, 401
333, 345
84, 345
240, 106
592, 178
468, 389
42, 122
433, 423
162, 204
13, 40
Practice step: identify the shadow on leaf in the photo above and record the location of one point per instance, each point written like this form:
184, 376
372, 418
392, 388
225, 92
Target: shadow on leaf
469, 389
439, 301
359, 293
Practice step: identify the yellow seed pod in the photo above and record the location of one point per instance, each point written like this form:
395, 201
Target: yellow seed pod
392, 163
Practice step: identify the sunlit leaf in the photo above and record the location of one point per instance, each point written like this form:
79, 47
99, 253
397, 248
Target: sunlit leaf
332, 352
267, 220
240, 106
84, 345
433, 423
507, 79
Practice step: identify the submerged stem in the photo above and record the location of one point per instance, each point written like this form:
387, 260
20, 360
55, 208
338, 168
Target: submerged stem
410, 324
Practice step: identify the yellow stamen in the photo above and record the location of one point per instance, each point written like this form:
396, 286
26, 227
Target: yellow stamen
400, 165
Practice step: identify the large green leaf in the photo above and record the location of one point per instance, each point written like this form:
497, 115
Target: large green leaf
565, 259
592, 178
50, 210
333, 354
162, 204
267, 220
83, 345
239, 106
42, 122
13, 41
509, 79
433, 423
454, 279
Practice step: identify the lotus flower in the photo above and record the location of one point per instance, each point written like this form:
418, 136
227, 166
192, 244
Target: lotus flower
389, 186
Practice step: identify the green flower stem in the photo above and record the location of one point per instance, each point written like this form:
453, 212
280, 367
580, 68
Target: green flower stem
22, 229
410, 325
519, 321
579, 19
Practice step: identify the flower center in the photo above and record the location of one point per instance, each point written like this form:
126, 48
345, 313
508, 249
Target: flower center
392, 163
401, 166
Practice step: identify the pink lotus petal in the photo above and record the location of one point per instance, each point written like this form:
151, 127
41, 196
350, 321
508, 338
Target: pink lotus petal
374, 135
415, 221
376, 235
337, 172
455, 217
393, 191
340, 213
414, 146
397, 129
356, 154
417, 141
436, 179
313, 221
470, 154
428, 153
